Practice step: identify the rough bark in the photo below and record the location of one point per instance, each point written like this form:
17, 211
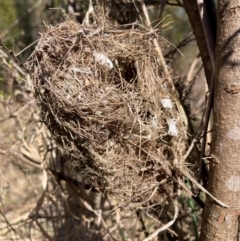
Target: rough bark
195, 21
219, 223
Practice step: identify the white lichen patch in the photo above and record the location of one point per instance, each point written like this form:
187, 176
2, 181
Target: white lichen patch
233, 183
103, 60
234, 133
172, 125
228, 219
167, 103
222, 146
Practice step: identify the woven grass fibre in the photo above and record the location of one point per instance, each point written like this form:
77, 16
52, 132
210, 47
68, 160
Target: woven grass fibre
104, 98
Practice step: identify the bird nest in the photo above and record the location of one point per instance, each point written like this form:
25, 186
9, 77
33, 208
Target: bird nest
104, 97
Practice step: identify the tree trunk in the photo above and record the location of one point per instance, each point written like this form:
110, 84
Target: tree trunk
219, 223
191, 8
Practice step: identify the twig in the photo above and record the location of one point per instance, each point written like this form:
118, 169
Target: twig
39, 204
206, 122
22, 158
192, 68
4, 56
156, 45
26, 48
8, 224
156, 220
178, 4
11, 53
89, 11
166, 226
181, 44
192, 82
98, 214
211, 49
186, 174
207, 32
163, 64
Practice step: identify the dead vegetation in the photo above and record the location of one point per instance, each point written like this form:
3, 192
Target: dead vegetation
102, 95
121, 140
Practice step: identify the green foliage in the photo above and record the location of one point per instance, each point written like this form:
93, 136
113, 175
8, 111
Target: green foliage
8, 15
179, 26
192, 206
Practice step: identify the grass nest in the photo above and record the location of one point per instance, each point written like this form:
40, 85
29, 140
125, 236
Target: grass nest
104, 97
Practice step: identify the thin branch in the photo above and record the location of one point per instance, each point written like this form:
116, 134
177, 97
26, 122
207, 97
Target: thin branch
166, 226
181, 44
186, 174
21, 157
178, 4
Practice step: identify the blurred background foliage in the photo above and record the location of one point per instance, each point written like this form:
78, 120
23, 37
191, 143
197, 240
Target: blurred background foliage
179, 27
20, 24
8, 14
20, 21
